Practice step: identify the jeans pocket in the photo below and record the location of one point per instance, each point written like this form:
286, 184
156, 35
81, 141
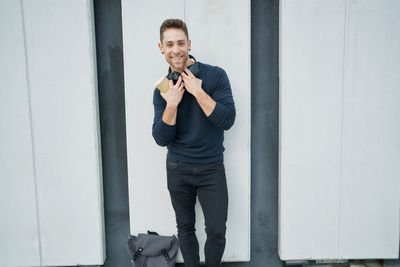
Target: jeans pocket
216, 167
172, 165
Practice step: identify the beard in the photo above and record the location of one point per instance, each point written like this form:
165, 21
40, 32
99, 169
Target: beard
179, 66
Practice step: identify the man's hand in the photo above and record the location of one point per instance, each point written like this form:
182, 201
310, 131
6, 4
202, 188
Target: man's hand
192, 84
174, 94
173, 97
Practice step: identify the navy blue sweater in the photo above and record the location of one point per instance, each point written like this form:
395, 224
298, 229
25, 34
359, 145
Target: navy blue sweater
195, 137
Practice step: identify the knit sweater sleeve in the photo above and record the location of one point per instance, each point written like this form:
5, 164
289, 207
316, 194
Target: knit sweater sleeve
224, 113
163, 133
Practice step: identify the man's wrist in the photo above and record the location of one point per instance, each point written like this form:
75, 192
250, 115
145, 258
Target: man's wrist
169, 116
197, 93
171, 106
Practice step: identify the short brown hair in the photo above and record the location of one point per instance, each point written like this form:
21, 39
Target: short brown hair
173, 23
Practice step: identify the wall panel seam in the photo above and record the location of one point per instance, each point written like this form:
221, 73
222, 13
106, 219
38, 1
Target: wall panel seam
249, 136
31, 133
345, 50
280, 118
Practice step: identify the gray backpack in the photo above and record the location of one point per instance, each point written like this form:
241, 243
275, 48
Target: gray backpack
152, 250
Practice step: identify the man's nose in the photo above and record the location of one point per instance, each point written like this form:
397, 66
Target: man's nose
175, 49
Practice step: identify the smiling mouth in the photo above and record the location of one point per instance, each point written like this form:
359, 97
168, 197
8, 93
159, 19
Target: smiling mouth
177, 59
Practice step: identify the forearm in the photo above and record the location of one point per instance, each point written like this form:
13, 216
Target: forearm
223, 115
169, 115
164, 123
163, 133
205, 101
165, 129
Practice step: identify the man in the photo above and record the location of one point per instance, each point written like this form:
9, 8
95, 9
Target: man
190, 119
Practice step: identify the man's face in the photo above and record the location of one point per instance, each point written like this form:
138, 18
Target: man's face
175, 47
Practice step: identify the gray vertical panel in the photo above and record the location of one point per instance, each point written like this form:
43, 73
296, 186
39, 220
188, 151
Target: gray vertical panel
311, 63
144, 64
210, 25
371, 146
19, 240
65, 125
146, 159
150, 205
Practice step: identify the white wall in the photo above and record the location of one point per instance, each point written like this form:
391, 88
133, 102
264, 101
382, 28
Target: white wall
220, 34
18, 224
51, 186
339, 127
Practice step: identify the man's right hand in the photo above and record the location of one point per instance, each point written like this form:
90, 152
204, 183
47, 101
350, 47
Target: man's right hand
173, 97
174, 94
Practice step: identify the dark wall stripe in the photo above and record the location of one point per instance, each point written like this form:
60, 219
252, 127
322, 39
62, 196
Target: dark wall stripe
112, 122
264, 138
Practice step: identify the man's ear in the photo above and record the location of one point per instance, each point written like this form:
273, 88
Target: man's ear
160, 46
189, 44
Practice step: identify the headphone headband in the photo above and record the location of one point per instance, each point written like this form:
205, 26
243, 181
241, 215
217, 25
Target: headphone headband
192, 57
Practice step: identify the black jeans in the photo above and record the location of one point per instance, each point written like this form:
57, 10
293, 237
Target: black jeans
208, 182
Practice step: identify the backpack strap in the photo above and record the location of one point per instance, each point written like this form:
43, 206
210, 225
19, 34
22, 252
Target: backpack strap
165, 254
137, 253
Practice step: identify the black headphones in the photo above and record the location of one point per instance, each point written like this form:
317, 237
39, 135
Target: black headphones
194, 68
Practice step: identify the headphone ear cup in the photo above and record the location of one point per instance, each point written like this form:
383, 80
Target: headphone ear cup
174, 76
194, 68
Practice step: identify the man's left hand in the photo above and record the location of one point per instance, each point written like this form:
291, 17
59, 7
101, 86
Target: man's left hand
192, 84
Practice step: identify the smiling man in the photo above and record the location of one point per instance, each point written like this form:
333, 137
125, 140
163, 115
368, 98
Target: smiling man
190, 119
